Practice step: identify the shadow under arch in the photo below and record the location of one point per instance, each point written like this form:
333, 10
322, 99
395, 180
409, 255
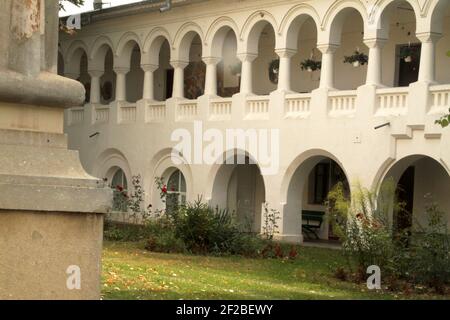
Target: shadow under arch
235, 183
304, 189
418, 180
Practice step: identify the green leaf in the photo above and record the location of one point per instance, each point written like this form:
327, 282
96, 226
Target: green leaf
444, 123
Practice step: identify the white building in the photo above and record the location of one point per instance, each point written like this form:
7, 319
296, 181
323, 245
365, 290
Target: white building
149, 73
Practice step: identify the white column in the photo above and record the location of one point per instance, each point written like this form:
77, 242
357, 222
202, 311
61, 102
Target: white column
284, 75
246, 72
95, 85
327, 70
427, 56
178, 78
374, 74
148, 92
121, 84
211, 75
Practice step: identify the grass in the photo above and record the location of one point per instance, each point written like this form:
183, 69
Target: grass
131, 272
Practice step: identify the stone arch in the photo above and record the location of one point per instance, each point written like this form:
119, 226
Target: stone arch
253, 26
108, 159
125, 48
419, 181
216, 34
434, 16
335, 17
380, 14
162, 165
98, 52
305, 185
183, 39
293, 20
73, 57
234, 177
152, 45
287, 177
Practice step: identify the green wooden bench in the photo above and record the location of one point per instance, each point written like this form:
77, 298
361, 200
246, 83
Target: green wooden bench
311, 222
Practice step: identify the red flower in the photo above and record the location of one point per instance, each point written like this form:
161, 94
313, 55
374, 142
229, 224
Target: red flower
164, 189
120, 188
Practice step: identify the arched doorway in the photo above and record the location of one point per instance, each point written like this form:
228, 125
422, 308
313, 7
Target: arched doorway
305, 210
419, 182
239, 187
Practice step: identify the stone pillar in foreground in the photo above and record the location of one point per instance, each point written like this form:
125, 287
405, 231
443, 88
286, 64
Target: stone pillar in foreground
51, 210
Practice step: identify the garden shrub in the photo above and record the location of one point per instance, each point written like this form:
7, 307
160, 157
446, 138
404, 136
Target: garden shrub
117, 231
415, 256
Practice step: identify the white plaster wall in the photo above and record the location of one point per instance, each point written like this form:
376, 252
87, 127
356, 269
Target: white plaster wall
363, 152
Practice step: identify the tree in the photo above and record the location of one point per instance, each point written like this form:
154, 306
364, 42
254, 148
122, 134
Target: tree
75, 2
444, 121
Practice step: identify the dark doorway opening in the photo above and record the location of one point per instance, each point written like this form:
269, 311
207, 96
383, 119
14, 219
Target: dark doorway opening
169, 83
405, 197
408, 65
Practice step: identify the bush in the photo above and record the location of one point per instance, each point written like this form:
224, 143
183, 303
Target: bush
115, 231
415, 256
427, 260
363, 226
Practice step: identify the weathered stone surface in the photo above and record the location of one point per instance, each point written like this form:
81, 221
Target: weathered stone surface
50, 208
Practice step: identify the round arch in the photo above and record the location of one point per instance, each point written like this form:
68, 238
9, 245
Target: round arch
126, 45
305, 186
99, 50
236, 184
419, 181
163, 165
293, 20
111, 158
183, 39
335, 17
434, 15
152, 45
253, 26
216, 34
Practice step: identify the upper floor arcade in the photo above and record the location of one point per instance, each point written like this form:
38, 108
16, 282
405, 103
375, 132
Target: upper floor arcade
255, 49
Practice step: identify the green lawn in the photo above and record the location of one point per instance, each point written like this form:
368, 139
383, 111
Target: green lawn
131, 272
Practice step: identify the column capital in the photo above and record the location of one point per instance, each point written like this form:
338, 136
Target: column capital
375, 42
428, 37
285, 52
211, 60
121, 70
149, 67
179, 64
96, 73
327, 47
245, 56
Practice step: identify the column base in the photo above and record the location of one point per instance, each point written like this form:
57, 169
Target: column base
289, 238
51, 219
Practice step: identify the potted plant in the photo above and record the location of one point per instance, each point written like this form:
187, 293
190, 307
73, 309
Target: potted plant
310, 65
274, 67
357, 59
409, 53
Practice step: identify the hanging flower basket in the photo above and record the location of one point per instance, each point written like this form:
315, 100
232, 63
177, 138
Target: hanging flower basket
357, 59
409, 53
274, 68
236, 69
310, 65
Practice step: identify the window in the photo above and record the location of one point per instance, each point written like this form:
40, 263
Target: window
323, 178
176, 190
120, 186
